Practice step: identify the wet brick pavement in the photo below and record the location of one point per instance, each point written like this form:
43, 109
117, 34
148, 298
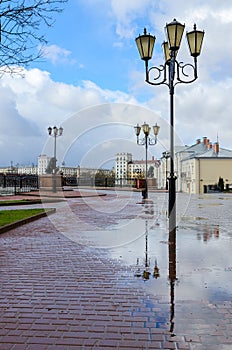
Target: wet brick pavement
58, 294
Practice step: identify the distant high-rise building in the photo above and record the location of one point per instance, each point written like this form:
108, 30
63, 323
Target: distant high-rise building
121, 168
43, 161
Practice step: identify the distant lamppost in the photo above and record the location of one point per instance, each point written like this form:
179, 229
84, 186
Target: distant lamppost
166, 155
54, 132
171, 73
147, 140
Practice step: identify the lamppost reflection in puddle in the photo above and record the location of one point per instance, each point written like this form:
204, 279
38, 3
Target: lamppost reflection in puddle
172, 276
145, 271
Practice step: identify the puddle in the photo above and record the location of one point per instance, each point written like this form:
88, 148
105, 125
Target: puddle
192, 218
188, 276
136, 234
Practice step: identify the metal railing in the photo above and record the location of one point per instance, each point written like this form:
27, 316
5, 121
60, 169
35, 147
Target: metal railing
11, 184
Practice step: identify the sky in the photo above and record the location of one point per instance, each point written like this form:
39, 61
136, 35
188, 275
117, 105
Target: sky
91, 82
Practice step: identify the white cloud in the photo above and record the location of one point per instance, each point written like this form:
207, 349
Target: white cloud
31, 103
28, 105
57, 54
125, 13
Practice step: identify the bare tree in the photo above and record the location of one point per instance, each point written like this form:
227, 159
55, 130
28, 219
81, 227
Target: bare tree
21, 22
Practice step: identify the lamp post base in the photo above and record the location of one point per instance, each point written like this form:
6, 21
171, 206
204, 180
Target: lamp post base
145, 191
144, 194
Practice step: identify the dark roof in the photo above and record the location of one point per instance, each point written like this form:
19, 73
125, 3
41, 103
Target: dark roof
201, 150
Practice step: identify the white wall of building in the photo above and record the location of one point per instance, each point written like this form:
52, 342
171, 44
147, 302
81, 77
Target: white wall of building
121, 168
43, 161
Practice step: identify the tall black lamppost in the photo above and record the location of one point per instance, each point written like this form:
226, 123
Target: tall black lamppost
171, 73
54, 132
147, 140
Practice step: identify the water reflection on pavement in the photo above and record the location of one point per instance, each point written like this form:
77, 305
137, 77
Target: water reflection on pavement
190, 272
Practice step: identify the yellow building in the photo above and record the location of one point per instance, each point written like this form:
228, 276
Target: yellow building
201, 165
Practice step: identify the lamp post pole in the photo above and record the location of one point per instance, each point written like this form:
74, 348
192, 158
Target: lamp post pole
171, 73
146, 184
147, 140
54, 132
172, 177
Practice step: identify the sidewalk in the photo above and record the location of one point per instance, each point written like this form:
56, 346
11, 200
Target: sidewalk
58, 294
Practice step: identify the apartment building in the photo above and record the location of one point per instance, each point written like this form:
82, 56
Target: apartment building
122, 168
43, 161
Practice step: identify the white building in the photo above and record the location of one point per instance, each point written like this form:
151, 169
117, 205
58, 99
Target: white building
43, 161
127, 169
29, 170
68, 171
90, 172
24, 169
122, 168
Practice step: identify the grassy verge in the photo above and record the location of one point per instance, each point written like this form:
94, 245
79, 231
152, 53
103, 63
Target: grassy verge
11, 216
14, 201
28, 201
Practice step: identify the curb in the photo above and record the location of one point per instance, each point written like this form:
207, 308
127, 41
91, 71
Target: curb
28, 202
16, 224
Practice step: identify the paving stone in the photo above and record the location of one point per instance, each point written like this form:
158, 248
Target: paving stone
59, 294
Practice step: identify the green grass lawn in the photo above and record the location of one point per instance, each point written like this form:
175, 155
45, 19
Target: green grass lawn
11, 216
14, 201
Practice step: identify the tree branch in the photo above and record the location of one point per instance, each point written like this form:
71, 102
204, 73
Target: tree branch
20, 28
